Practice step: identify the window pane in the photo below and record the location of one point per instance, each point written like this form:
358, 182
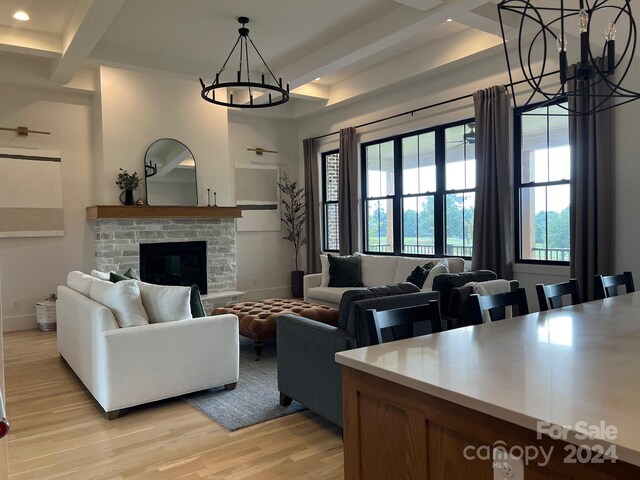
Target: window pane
459, 224
534, 160
559, 151
460, 157
332, 166
332, 238
558, 230
419, 163
533, 223
380, 170
418, 225
380, 226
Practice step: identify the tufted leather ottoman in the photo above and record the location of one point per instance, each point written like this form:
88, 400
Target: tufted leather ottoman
258, 319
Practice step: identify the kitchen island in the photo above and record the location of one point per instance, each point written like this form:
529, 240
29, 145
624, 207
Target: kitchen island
452, 405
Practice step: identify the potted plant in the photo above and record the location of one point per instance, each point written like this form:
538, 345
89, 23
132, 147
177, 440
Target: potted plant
293, 218
127, 182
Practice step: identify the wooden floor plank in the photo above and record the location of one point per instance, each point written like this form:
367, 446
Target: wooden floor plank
59, 432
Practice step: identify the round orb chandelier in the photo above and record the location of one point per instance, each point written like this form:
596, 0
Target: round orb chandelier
552, 30
243, 92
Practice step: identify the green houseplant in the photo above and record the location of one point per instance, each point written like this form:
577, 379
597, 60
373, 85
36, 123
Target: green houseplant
293, 218
127, 182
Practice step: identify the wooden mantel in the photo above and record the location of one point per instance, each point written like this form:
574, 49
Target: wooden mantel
97, 212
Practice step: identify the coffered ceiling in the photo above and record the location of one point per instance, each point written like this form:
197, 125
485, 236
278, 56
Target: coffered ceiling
355, 47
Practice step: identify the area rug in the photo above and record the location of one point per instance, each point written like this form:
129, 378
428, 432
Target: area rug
255, 399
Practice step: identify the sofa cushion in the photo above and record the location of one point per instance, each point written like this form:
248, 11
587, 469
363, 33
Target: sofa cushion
345, 271
80, 282
406, 265
165, 303
332, 295
324, 263
100, 275
456, 264
123, 299
438, 269
374, 292
378, 270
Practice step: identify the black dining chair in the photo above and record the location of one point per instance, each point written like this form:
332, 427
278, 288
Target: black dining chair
607, 285
495, 305
400, 323
551, 296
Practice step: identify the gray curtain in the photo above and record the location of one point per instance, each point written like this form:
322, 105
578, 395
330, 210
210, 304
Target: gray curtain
312, 205
591, 140
348, 192
493, 247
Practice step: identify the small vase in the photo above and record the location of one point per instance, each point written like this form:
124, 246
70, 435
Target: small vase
128, 197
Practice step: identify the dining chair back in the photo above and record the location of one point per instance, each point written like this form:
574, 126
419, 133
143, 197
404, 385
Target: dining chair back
607, 285
496, 305
400, 323
551, 296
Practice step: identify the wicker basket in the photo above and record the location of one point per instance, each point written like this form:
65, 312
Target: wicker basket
46, 315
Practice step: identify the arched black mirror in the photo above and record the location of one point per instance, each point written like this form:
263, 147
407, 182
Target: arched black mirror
170, 174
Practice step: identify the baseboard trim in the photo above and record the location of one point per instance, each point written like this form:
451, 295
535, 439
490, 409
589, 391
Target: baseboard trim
22, 322
275, 292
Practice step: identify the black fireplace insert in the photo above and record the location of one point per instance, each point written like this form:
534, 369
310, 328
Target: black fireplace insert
174, 263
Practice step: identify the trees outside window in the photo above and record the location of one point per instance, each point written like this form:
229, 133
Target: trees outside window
543, 178
419, 192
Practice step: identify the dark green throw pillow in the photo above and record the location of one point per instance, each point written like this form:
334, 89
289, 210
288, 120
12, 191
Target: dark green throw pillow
345, 271
116, 277
197, 308
420, 273
418, 276
131, 274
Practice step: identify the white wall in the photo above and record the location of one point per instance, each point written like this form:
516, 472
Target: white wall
139, 108
33, 267
264, 259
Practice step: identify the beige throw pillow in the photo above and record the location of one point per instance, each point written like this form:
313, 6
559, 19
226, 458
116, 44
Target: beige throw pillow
165, 303
123, 299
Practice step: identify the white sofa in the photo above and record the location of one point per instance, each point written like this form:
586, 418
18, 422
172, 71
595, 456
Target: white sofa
377, 270
124, 367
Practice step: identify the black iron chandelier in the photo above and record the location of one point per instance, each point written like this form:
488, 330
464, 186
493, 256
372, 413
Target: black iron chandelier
248, 93
543, 29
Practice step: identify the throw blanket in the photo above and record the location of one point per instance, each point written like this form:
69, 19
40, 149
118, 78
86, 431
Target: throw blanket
492, 287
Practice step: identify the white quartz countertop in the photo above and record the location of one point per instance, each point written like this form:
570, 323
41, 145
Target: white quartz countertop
573, 367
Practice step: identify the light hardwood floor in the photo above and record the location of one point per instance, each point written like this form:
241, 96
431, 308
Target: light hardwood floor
58, 431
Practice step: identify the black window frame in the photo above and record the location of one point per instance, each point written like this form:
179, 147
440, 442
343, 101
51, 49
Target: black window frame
398, 196
325, 202
518, 185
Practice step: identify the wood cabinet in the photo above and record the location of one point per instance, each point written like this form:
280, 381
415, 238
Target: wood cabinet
394, 432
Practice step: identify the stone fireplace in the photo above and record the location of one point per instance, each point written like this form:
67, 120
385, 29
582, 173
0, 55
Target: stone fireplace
117, 248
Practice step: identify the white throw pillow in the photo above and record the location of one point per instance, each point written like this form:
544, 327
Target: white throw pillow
100, 275
324, 262
165, 303
80, 282
439, 269
377, 270
123, 299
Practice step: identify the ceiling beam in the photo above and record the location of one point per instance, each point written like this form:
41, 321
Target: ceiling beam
29, 42
397, 26
89, 22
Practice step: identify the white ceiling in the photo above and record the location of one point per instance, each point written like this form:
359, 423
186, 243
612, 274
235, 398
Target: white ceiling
354, 46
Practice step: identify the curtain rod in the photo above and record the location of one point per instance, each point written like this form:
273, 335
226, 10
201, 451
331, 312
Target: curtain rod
433, 105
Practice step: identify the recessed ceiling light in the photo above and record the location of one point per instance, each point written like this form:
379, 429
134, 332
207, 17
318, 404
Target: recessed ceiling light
449, 19
21, 15
317, 79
